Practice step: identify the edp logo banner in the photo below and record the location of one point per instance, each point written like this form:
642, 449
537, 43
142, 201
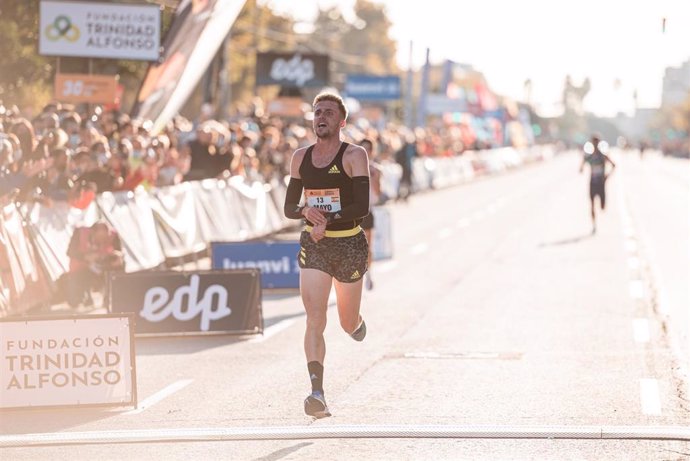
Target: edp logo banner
277, 261
196, 302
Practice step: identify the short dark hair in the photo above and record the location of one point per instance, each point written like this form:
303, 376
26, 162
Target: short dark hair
332, 97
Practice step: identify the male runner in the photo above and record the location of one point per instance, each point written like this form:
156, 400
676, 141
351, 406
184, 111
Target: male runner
335, 178
374, 195
597, 161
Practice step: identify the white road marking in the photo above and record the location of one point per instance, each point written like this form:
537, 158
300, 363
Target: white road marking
636, 289
319, 431
634, 262
419, 248
641, 330
631, 245
464, 222
479, 215
444, 233
272, 330
160, 395
385, 266
649, 397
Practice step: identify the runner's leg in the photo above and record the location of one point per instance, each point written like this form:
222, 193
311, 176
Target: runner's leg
349, 300
315, 287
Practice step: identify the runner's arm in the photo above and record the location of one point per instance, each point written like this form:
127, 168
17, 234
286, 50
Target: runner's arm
292, 208
613, 165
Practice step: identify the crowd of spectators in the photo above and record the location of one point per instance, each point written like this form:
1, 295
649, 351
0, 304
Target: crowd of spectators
65, 153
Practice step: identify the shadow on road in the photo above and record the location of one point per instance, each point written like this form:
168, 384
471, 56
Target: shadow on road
567, 241
282, 453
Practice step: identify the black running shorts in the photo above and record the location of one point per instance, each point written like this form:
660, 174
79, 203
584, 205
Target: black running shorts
344, 258
598, 187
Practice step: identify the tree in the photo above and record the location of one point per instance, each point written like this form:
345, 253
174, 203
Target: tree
24, 75
363, 46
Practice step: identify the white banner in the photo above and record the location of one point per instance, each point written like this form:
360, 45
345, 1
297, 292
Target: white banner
99, 30
131, 215
61, 361
176, 223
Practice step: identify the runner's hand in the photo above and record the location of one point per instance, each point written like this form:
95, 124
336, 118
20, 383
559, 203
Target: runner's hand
314, 216
318, 232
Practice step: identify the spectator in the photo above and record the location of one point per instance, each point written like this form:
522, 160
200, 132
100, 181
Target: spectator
206, 160
93, 167
94, 252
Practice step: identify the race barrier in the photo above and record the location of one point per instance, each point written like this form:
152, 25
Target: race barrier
179, 221
172, 302
64, 361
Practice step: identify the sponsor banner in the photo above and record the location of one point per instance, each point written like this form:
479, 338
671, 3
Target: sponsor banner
216, 301
292, 69
437, 104
197, 31
99, 30
71, 360
277, 261
383, 235
372, 87
93, 89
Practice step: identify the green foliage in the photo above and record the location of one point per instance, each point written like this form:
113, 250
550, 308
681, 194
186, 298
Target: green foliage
360, 46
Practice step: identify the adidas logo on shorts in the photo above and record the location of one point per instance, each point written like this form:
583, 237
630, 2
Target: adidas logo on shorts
355, 275
334, 170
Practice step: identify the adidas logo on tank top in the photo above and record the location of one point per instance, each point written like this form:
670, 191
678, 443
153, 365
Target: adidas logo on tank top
334, 170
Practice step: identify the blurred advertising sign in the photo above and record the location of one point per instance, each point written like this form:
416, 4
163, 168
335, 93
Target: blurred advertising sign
286, 107
437, 104
292, 69
382, 247
197, 31
277, 261
372, 87
70, 360
215, 301
99, 30
93, 89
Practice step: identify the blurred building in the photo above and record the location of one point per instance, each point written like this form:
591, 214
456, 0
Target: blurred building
676, 85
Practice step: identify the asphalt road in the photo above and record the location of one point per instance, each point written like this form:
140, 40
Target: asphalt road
499, 311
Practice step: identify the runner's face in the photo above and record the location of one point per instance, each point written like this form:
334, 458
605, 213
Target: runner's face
327, 119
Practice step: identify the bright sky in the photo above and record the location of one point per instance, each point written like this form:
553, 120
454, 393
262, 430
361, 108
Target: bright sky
542, 40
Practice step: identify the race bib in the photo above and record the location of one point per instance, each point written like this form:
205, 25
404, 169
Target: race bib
324, 199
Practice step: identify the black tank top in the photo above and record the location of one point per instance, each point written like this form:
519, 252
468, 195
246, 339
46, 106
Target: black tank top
328, 188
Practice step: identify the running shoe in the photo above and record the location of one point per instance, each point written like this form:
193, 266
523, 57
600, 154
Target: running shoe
315, 405
360, 332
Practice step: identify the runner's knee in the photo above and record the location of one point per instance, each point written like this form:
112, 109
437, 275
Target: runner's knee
316, 321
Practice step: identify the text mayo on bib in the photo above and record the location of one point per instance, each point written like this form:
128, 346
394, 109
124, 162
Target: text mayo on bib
323, 199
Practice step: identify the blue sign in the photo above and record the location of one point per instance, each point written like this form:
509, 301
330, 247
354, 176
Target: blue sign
276, 260
372, 88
